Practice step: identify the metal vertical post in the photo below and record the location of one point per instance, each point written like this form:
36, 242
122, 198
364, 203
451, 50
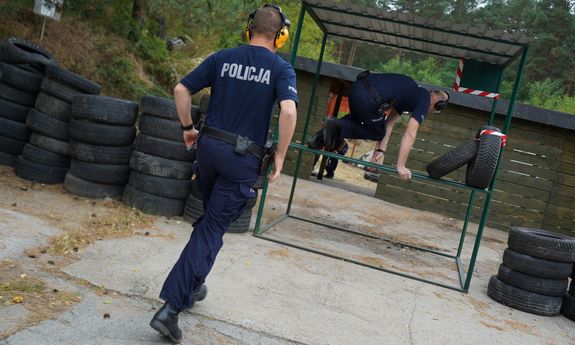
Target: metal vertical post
309, 111
467, 216
495, 101
515, 90
297, 35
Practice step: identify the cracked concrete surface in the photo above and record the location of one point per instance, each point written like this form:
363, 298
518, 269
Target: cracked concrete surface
261, 292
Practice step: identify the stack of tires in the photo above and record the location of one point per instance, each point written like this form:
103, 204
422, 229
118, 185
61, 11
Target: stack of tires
102, 133
194, 209
162, 167
46, 158
22, 65
535, 271
481, 156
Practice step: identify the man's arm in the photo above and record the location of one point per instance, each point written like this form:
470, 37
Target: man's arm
183, 99
287, 122
406, 144
382, 145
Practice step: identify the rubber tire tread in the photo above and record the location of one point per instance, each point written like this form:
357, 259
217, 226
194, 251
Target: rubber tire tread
72, 79
105, 109
119, 155
161, 167
152, 204
77, 186
101, 134
160, 107
161, 128
11, 146
160, 186
535, 266
59, 90
538, 285
453, 159
480, 171
47, 125
542, 244
16, 51
13, 111
14, 130
523, 300
53, 106
164, 148
100, 173
39, 155
17, 96
242, 224
7, 159
50, 144
20, 78
38, 172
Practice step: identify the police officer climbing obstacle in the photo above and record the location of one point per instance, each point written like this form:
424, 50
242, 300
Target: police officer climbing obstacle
246, 82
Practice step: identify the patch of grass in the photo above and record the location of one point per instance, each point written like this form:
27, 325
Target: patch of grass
122, 222
41, 301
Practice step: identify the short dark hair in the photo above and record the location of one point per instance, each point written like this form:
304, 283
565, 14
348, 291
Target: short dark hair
267, 21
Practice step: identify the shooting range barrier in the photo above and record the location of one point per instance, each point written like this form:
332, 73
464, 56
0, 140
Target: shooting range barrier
481, 49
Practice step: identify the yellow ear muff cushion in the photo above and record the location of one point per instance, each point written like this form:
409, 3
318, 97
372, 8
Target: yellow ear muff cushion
281, 37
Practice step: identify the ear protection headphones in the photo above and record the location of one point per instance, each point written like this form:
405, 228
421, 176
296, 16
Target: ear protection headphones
441, 104
282, 35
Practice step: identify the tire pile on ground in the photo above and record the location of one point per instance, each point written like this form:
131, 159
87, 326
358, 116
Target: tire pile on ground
161, 166
102, 134
45, 158
481, 156
22, 66
535, 272
195, 208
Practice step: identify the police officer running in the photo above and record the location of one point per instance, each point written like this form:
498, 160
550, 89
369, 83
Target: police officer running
246, 82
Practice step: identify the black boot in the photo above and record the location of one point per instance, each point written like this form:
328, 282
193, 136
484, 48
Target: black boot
201, 293
165, 321
331, 134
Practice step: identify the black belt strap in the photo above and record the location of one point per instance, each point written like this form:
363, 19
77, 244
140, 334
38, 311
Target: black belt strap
231, 138
382, 103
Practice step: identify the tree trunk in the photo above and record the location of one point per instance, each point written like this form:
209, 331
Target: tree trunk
139, 11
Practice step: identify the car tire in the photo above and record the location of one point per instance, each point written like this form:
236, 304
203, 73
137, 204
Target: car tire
77, 186
39, 172
535, 266
453, 159
101, 134
152, 204
105, 109
523, 300
542, 244
481, 169
161, 167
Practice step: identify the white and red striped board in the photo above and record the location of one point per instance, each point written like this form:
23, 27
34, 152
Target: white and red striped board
458, 88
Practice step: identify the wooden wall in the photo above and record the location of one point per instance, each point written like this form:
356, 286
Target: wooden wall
535, 183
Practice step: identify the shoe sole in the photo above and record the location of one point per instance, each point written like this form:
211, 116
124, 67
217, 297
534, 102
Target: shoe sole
158, 326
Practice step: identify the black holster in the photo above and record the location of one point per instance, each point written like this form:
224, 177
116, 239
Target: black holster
270, 152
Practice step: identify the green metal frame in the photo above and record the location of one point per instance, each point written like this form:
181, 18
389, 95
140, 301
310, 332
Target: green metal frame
465, 274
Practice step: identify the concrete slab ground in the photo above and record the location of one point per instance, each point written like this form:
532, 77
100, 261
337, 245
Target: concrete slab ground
261, 292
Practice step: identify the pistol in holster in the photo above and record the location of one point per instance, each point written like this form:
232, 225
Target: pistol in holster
269, 155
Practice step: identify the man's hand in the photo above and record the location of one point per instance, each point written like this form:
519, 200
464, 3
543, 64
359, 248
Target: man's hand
278, 165
377, 156
190, 137
404, 173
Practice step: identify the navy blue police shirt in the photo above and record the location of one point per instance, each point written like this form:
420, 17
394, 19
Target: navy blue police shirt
407, 94
246, 83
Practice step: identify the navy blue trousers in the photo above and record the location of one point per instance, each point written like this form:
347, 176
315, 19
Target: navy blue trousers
226, 179
363, 122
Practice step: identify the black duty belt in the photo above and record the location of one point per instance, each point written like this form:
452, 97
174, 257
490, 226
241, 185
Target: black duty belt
231, 138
